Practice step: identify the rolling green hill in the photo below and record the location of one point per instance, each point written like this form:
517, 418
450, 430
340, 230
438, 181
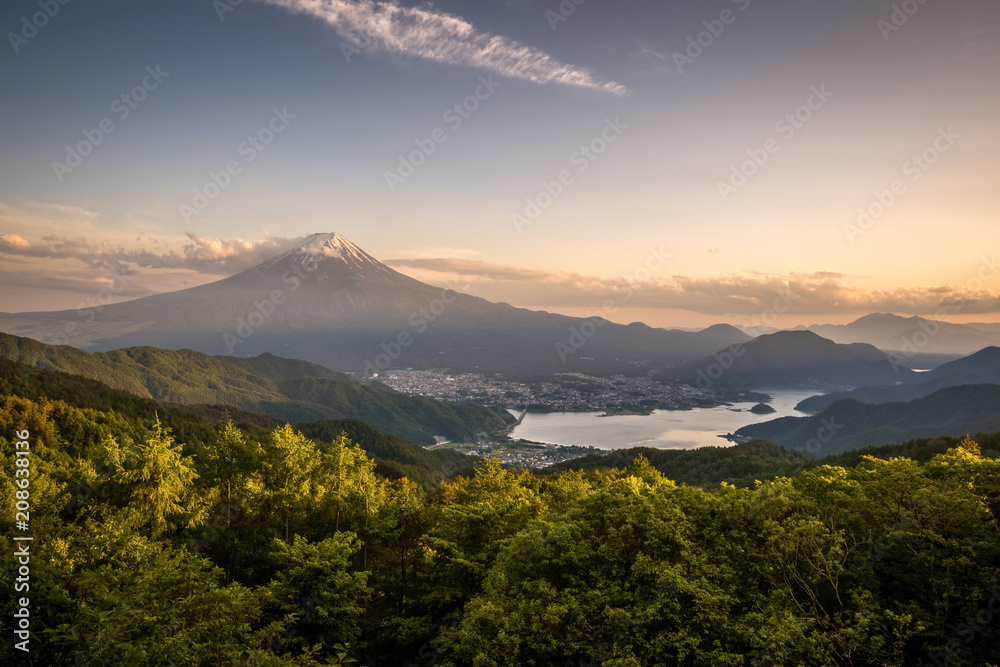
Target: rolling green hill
197, 424
287, 390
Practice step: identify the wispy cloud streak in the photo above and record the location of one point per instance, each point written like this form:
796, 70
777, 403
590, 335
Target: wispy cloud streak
213, 257
425, 32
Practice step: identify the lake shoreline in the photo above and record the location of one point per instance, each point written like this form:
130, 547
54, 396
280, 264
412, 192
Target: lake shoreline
664, 429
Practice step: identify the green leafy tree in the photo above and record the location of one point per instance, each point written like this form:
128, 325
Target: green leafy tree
157, 480
316, 595
352, 492
229, 466
293, 463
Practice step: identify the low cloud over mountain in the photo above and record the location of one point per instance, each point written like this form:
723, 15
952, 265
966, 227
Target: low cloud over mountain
68, 250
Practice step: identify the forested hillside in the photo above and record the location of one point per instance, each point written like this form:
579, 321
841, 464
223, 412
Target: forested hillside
285, 389
220, 545
850, 424
197, 424
983, 367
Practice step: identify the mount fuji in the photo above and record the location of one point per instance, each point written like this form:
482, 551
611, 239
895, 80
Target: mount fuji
330, 302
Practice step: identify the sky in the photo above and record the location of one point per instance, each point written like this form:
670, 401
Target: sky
793, 160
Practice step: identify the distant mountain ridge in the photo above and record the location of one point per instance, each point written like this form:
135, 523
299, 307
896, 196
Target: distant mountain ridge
288, 390
792, 359
983, 367
849, 424
910, 335
331, 303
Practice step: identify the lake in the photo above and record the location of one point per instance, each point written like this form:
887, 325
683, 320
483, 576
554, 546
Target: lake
664, 429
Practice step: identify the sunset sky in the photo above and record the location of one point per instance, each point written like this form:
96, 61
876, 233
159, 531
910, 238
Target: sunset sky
736, 139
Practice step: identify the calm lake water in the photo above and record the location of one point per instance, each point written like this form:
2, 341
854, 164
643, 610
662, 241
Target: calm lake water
667, 429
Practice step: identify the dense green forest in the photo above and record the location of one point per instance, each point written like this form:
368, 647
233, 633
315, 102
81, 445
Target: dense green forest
166, 535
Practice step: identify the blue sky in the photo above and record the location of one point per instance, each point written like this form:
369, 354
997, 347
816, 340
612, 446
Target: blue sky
356, 85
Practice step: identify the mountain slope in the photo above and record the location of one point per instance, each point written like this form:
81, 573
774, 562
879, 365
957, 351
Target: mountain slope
394, 456
284, 389
982, 367
850, 424
909, 335
331, 303
792, 359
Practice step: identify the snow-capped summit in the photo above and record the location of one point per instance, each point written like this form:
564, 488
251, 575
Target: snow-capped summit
318, 250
